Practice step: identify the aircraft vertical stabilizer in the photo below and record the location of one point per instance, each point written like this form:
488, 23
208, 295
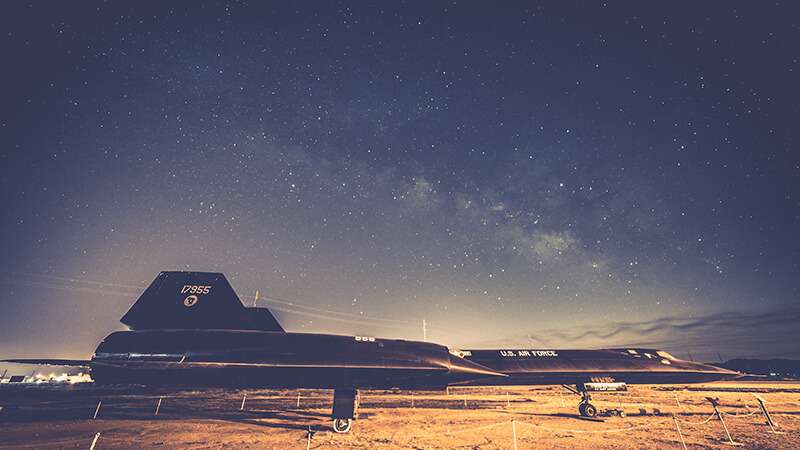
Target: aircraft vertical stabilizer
195, 300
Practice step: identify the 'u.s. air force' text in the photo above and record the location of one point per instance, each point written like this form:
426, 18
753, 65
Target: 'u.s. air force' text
528, 353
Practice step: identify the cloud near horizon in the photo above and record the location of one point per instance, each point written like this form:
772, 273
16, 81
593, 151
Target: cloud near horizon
757, 334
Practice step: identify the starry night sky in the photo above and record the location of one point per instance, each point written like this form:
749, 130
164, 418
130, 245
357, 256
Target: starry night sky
563, 175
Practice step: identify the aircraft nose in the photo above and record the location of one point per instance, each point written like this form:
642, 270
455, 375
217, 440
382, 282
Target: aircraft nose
716, 373
725, 372
461, 366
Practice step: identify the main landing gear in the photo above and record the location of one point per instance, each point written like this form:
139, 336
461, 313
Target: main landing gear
585, 407
345, 409
342, 425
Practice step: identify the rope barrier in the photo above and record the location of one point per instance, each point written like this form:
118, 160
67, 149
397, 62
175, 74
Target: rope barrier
484, 427
567, 430
453, 433
63, 442
427, 435
751, 413
557, 430
462, 430
688, 422
729, 414
52, 444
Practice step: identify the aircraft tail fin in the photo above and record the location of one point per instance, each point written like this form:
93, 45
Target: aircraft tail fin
195, 300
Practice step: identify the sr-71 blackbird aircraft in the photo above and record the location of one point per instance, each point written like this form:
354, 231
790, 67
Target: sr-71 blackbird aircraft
190, 328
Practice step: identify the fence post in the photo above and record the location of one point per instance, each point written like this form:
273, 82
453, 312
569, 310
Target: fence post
678, 427
514, 431
244, 398
714, 403
97, 410
763, 406
298, 399
94, 441
158, 405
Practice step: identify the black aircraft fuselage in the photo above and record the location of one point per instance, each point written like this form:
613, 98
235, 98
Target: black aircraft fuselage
251, 358
191, 329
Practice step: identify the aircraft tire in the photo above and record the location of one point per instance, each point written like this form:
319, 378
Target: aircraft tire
342, 425
587, 410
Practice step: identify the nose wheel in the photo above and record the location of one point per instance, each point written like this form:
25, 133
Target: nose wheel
585, 407
587, 410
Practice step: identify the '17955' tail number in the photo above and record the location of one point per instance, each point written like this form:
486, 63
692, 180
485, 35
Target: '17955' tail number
195, 289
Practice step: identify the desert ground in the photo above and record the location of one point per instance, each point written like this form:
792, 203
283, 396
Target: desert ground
534, 417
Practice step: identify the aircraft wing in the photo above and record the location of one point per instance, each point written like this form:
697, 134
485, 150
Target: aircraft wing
49, 362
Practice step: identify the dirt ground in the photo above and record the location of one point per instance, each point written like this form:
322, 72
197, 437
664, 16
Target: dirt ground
539, 417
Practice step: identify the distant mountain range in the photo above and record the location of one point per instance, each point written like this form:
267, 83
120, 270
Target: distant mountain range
773, 368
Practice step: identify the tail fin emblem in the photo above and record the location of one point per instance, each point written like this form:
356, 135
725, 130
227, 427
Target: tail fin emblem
190, 301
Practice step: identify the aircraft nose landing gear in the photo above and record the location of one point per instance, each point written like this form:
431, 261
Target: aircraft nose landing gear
585, 407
